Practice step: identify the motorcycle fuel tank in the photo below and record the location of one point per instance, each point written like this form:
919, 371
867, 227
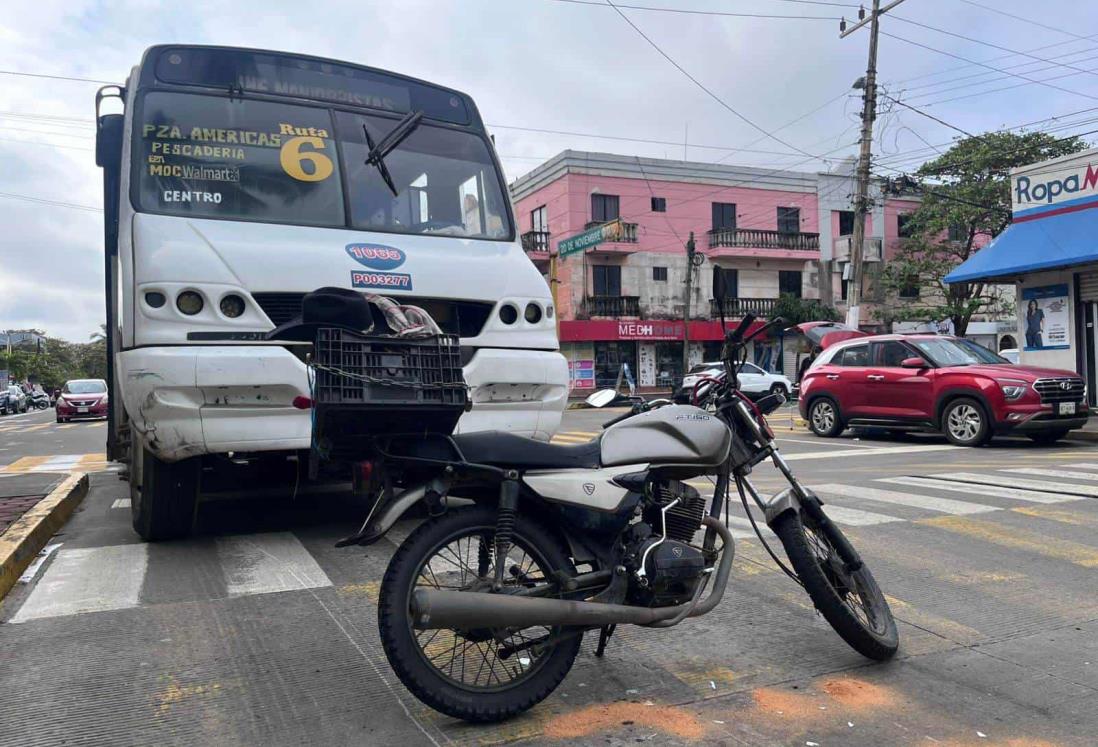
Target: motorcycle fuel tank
671, 435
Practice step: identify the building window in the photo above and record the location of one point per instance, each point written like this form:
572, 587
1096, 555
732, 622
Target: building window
903, 225
538, 220
846, 222
724, 215
789, 283
844, 286
609, 358
659, 204
607, 280
659, 273
731, 282
789, 220
604, 208
958, 233
910, 287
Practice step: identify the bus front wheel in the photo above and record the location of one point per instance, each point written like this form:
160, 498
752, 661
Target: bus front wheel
163, 495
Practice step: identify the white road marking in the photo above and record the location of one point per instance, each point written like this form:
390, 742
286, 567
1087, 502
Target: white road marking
1029, 496
121, 503
1065, 473
912, 500
1083, 465
265, 563
856, 517
913, 449
88, 579
820, 442
1017, 482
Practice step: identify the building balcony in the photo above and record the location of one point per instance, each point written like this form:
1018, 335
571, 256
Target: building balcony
628, 234
613, 306
535, 241
740, 307
764, 242
871, 249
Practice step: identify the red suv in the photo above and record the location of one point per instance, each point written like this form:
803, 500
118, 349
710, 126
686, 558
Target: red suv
933, 382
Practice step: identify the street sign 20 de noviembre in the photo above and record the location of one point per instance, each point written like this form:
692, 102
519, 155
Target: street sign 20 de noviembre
607, 232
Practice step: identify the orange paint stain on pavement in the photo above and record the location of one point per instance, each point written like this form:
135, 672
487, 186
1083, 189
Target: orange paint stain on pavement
786, 704
592, 719
992, 742
858, 694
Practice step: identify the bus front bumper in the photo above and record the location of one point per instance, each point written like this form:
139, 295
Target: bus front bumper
191, 400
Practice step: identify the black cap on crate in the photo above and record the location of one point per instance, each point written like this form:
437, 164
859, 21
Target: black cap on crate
327, 307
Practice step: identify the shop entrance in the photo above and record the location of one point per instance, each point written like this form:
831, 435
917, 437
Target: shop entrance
609, 356
1089, 337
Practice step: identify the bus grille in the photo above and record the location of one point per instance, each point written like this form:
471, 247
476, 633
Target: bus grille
1060, 390
461, 318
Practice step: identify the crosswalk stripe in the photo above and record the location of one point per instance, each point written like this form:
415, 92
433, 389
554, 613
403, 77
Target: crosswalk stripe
88, 579
38, 427
1083, 465
586, 434
121, 503
1029, 496
1065, 473
931, 503
860, 452
269, 562
855, 517
569, 440
1017, 482
66, 426
24, 464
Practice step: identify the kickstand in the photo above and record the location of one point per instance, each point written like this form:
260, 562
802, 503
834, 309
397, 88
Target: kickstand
604, 636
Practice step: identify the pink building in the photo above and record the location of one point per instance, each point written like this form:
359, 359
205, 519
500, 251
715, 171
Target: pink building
624, 301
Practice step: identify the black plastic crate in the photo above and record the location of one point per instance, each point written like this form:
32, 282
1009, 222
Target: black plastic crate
370, 386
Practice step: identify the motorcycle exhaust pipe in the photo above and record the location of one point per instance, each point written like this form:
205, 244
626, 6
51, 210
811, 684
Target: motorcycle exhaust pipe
436, 608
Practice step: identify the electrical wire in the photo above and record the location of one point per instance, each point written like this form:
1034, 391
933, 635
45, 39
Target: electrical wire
58, 77
700, 12
928, 116
1030, 21
56, 203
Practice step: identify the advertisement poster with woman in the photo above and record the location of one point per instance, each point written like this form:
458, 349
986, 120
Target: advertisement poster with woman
1045, 317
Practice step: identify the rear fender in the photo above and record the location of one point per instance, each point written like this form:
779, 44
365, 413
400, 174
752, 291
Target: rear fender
385, 514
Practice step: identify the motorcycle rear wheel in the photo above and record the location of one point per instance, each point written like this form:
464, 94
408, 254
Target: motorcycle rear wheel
851, 602
428, 662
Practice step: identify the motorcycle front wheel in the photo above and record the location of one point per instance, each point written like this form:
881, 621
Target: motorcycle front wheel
851, 602
472, 674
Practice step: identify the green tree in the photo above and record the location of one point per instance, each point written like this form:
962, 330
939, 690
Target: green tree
799, 310
965, 202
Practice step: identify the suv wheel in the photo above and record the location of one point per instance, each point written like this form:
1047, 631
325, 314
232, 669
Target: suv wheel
779, 388
823, 418
965, 423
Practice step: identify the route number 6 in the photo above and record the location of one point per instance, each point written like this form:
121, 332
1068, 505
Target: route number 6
292, 157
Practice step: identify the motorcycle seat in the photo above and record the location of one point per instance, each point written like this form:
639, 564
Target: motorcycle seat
502, 449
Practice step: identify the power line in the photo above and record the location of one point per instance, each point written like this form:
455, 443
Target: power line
55, 203
989, 67
700, 12
928, 116
1030, 21
699, 84
988, 44
987, 91
637, 139
994, 77
58, 77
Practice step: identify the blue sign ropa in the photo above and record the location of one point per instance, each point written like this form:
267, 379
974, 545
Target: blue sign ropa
385, 280
376, 256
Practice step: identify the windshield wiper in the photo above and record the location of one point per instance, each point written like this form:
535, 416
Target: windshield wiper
396, 136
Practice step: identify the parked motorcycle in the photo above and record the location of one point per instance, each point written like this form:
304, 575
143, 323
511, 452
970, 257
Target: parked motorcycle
38, 400
483, 607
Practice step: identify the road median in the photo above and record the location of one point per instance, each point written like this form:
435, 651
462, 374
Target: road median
27, 535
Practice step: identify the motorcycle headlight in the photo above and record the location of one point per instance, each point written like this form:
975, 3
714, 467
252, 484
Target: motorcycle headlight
1013, 389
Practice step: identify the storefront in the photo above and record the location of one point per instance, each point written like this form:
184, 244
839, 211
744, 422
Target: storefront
652, 351
1050, 252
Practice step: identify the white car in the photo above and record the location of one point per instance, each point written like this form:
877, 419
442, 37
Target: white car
754, 381
1011, 354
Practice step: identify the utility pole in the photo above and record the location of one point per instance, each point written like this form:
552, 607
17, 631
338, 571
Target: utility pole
686, 307
861, 198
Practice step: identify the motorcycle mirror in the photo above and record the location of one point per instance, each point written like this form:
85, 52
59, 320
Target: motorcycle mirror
602, 398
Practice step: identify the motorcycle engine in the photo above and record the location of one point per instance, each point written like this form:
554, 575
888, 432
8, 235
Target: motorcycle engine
672, 567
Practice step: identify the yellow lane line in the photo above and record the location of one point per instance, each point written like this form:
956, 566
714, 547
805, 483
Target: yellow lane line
1074, 518
91, 461
1018, 539
24, 464
66, 426
38, 427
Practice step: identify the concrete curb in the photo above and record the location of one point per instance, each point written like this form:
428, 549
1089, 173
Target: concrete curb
20, 544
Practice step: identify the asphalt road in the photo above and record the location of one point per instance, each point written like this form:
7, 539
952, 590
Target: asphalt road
258, 630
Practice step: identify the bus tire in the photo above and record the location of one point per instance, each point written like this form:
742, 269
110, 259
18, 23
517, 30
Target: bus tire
163, 495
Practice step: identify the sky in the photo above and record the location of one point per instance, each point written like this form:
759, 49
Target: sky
572, 66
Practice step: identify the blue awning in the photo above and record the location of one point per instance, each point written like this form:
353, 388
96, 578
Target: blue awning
1044, 243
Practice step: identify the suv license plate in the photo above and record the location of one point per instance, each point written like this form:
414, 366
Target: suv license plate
84, 409
1067, 408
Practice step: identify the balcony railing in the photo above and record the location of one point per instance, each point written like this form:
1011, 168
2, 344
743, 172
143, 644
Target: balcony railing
628, 234
535, 241
757, 238
739, 307
613, 306
871, 249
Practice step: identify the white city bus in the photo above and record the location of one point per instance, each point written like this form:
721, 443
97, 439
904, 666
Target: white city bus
236, 181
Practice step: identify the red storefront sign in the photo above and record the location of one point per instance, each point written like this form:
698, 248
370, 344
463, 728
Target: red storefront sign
650, 330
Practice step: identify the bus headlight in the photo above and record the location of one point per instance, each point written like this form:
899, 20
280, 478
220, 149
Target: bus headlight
508, 314
189, 302
533, 313
232, 305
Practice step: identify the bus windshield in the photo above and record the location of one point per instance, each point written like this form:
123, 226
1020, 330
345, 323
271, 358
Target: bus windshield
241, 159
